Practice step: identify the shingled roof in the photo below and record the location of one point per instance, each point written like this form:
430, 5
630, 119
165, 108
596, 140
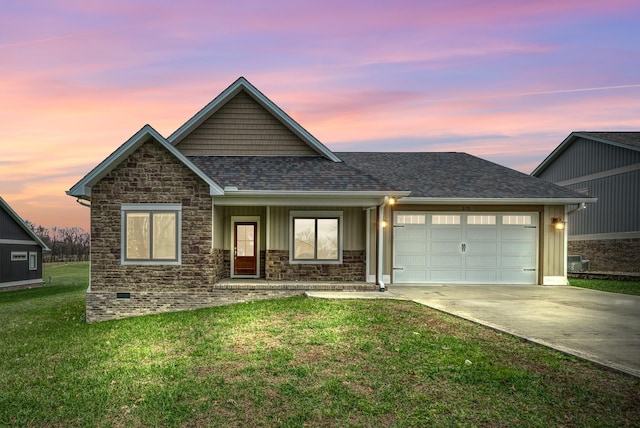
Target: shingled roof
424, 174
626, 138
454, 175
289, 173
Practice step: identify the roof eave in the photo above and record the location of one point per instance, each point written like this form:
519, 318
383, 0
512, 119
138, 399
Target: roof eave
495, 201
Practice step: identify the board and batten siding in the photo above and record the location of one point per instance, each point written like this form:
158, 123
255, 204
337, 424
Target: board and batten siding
353, 227
584, 157
242, 127
553, 253
617, 210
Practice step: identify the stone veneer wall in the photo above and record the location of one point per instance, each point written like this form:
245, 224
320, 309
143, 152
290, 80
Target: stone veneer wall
277, 267
609, 255
151, 175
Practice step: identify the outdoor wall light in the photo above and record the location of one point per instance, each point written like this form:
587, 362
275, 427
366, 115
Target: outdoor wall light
384, 223
557, 223
392, 201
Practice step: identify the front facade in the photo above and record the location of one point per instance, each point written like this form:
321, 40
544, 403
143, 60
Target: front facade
605, 165
20, 252
242, 203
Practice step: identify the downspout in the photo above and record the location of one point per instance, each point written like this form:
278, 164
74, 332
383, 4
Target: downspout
581, 207
381, 241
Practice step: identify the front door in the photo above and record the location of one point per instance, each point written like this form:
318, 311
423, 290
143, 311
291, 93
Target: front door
245, 261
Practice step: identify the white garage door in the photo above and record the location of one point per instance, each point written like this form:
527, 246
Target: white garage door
465, 248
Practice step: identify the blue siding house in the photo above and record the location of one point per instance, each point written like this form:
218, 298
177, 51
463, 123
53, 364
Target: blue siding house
606, 166
20, 252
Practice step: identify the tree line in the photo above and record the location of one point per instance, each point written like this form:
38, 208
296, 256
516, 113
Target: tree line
67, 244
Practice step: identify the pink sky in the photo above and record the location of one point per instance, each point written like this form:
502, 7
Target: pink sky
503, 80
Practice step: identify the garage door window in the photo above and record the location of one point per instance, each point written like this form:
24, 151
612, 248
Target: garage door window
481, 219
517, 220
410, 219
438, 219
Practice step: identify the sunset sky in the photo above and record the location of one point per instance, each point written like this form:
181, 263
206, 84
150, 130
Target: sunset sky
503, 80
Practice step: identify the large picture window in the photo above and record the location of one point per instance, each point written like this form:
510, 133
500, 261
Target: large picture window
316, 237
151, 234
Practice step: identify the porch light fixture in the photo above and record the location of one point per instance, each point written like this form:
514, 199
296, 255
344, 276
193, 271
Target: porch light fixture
384, 224
557, 223
392, 200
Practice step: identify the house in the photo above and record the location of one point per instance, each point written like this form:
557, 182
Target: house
606, 166
20, 252
242, 203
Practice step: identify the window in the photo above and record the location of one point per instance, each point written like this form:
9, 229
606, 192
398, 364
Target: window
151, 234
316, 237
481, 219
33, 261
445, 219
517, 219
410, 219
18, 256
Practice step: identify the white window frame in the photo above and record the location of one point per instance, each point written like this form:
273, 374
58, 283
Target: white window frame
33, 260
19, 256
151, 209
339, 215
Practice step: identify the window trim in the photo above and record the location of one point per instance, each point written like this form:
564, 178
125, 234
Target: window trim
151, 209
19, 256
33, 256
316, 215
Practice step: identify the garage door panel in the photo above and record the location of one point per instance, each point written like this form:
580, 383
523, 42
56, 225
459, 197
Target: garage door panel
481, 247
411, 247
517, 276
438, 261
446, 233
518, 233
415, 233
519, 248
480, 276
439, 275
445, 247
481, 261
518, 261
481, 233
410, 276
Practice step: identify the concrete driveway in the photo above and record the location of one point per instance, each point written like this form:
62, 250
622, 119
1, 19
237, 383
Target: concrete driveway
594, 325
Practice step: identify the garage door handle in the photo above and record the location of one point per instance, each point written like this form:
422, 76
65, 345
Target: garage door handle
464, 247
395, 268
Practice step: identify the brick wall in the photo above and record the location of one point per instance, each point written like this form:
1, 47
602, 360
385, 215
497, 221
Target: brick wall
352, 268
609, 255
152, 175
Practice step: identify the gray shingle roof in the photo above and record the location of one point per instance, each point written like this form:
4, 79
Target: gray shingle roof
628, 138
425, 174
454, 175
287, 173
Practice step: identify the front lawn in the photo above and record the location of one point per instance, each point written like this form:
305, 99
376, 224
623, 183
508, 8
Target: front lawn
623, 287
293, 362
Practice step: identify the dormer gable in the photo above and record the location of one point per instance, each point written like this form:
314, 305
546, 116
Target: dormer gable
241, 121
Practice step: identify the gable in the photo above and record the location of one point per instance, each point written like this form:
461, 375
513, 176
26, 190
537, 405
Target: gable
584, 156
254, 117
242, 127
82, 189
12, 227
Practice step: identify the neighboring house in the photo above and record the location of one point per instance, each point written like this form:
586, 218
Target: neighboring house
606, 166
20, 252
242, 203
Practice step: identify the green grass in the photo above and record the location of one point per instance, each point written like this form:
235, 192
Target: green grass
293, 362
623, 287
